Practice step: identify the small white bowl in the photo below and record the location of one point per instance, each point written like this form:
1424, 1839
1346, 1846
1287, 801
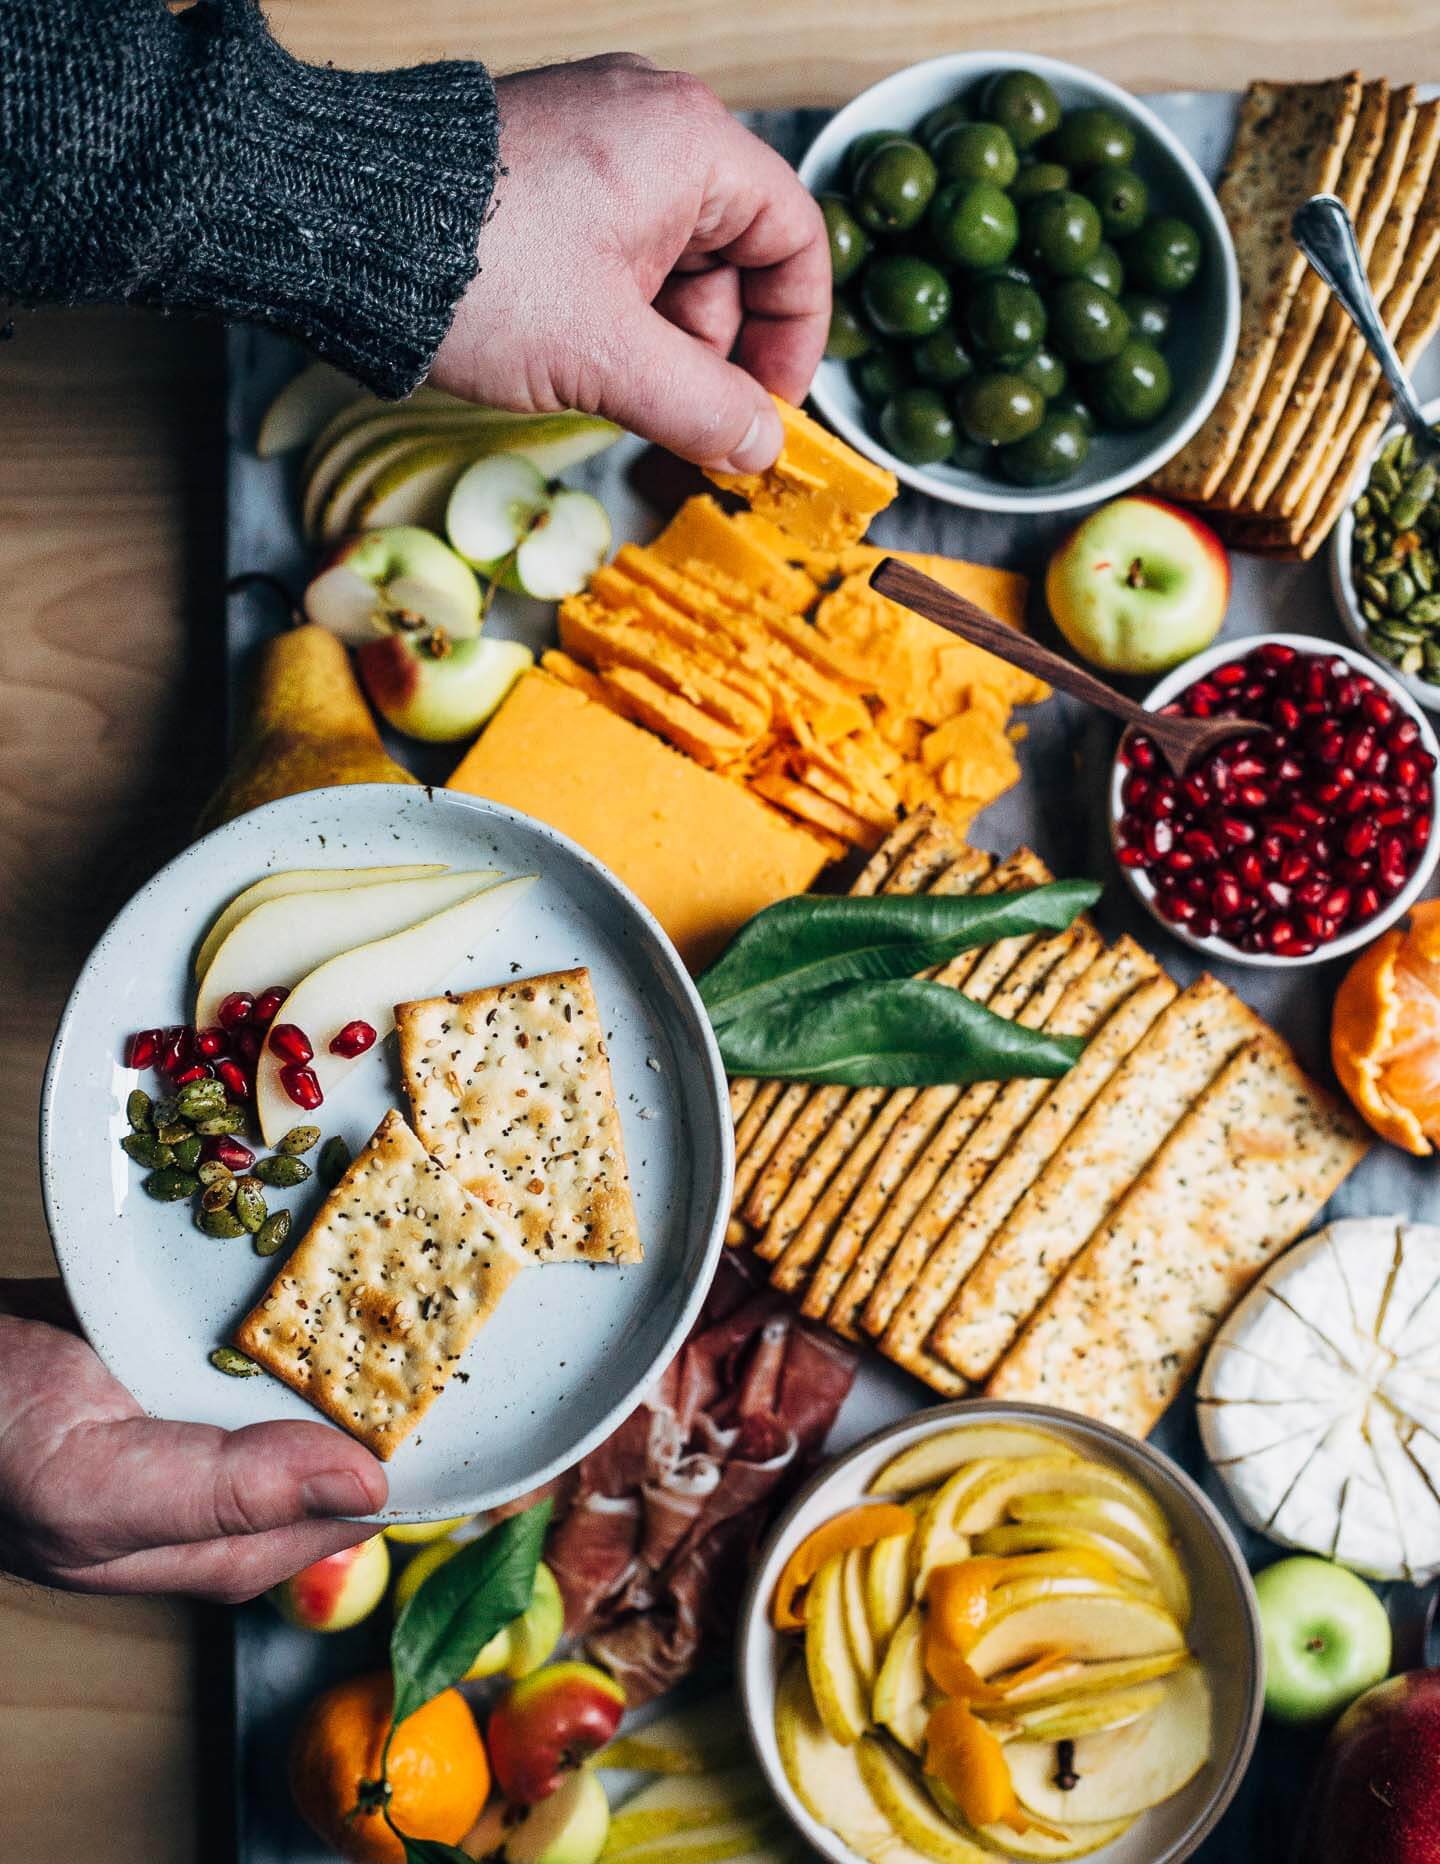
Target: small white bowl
1224, 1629
1184, 676
1207, 319
1342, 580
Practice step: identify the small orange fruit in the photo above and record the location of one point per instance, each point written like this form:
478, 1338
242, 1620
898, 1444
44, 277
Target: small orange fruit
438, 1774
1385, 1032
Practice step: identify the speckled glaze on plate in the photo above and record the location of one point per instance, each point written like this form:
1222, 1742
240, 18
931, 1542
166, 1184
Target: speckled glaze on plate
573, 1345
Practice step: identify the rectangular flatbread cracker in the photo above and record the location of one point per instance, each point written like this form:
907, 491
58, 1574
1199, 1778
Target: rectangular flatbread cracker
510, 1089
375, 1306
1254, 1161
1288, 145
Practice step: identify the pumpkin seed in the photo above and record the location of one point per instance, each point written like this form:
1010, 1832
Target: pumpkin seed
197, 1100
334, 1161
169, 1185
1422, 568
281, 1171
1374, 587
299, 1139
229, 1120
219, 1195
273, 1233
1372, 611
147, 1150
221, 1224
173, 1131
250, 1203
187, 1153
234, 1364
138, 1105
211, 1171
1425, 610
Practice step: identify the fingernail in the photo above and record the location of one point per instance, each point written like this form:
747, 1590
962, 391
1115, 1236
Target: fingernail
336, 1492
761, 445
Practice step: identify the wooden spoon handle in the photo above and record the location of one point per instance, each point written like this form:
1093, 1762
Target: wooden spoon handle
914, 590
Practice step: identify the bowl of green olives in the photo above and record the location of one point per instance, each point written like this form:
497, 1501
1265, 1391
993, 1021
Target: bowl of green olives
1036, 296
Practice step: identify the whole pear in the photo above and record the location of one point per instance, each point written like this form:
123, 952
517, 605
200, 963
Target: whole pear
308, 727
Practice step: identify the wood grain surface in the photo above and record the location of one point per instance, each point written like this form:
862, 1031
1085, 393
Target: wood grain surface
110, 572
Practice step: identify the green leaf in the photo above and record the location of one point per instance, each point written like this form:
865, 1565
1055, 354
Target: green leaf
430, 1850
461, 1606
910, 1033
816, 941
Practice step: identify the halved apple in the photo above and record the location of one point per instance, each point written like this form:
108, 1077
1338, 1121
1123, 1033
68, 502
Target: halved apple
1089, 1714
1089, 1625
516, 529
825, 1775
839, 1691
911, 1811
898, 1701
887, 1585
1072, 1679
298, 880
1146, 1536
399, 578
283, 939
1126, 1770
936, 1459
365, 983
857, 1616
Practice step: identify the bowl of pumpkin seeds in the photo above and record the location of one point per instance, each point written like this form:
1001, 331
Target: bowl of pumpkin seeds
1385, 561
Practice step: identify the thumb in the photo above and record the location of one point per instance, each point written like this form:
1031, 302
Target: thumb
673, 390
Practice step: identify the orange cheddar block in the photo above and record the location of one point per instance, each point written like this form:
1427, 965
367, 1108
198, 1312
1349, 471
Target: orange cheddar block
606, 638
701, 533
700, 851
819, 490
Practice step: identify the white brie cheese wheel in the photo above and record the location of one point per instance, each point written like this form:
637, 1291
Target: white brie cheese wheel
1319, 1401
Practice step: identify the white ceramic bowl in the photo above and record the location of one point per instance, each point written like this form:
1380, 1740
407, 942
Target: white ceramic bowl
1185, 675
1207, 319
1342, 580
1224, 1630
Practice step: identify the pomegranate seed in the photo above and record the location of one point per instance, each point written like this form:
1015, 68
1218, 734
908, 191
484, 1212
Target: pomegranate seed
1248, 767
1233, 673
142, 1048
1137, 791
1227, 899
1347, 695
248, 1044
1159, 840
1131, 857
1180, 861
1336, 905
1329, 793
195, 1071
1420, 831
1295, 866
302, 1085
1307, 812
211, 1042
1367, 903
1407, 772
1249, 871
1252, 796
353, 1040
1395, 816
1287, 830
1275, 655
290, 1043
1291, 947
228, 1151
236, 1009
1196, 789
175, 1051
1360, 747
1313, 892
1318, 926
1403, 734
1236, 831
1200, 843
268, 1002
1426, 760
1289, 770
1141, 752
1181, 908
1197, 888
1204, 925
1380, 762
1377, 708
1359, 838
1355, 871
1286, 714
1279, 932
237, 1082
1276, 894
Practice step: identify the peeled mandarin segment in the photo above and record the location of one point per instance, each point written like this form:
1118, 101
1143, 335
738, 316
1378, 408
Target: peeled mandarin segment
1365, 1023
861, 1526
968, 1759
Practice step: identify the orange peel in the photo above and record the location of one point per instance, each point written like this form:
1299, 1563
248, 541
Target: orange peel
861, 1526
1385, 1033
967, 1758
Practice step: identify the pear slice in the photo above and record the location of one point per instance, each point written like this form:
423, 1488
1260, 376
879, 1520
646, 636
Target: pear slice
826, 1777
857, 1616
1054, 1586
936, 1459
839, 1690
1088, 1625
887, 1585
1015, 1537
688, 1803
898, 1700
284, 939
1067, 1681
699, 1738
367, 981
1126, 1770
307, 401
911, 1811
365, 408
298, 880
1089, 1714
1053, 1839
718, 1843
1118, 1520
344, 453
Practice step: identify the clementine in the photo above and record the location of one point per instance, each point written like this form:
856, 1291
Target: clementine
438, 1774
1385, 1032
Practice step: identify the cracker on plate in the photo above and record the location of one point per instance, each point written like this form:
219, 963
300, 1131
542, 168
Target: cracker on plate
510, 1090
376, 1304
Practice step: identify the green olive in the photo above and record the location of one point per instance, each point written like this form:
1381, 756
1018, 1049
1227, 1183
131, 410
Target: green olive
850, 336
1105, 269
1051, 452
1069, 402
1022, 103
973, 224
1003, 318
942, 359
997, 409
1120, 198
976, 152
893, 188
1133, 388
1015, 273
1087, 324
1094, 137
935, 122
1044, 370
864, 146
1164, 256
1061, 233
849, 244
917, 426
1149, 316
1038, 178
881, 373
904, 296
968, 454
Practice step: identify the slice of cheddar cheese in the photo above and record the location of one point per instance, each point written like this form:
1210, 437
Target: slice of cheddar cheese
819, 490
701, 533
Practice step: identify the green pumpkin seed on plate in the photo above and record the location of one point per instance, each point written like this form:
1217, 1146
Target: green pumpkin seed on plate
281, 1171
299, 1139
250, 1205
233, 1363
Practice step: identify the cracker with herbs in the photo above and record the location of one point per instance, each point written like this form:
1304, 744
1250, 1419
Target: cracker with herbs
510, 1089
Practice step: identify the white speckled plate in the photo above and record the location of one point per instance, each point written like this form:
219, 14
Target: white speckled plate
573, 1345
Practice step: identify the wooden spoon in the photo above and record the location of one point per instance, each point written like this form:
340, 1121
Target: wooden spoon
1181, 741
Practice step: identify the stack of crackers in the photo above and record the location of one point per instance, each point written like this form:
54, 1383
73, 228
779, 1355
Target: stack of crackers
516, 1157
1074, 1242
1276, 459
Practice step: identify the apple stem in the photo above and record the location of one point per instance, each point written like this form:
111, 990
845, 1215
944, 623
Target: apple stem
1135, 575
1315, 1643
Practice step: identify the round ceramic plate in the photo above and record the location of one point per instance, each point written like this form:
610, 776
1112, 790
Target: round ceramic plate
573, 1345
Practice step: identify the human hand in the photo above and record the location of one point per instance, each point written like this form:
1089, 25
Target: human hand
97, 1497
638, 235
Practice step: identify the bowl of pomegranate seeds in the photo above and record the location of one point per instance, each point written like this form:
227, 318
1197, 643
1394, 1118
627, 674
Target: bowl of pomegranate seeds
1297, 844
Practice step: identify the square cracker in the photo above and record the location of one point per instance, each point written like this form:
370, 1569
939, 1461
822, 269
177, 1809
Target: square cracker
375, 1305
510, 1089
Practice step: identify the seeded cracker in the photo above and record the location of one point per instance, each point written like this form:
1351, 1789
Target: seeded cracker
375, 1306
510, 1089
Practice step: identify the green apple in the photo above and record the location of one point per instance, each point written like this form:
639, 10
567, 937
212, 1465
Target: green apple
337, 1592
570, 1827
516, 1649
401, 578
1326, 1635
516, 529
433, 687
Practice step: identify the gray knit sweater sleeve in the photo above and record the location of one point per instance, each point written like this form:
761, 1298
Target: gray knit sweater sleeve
188, 160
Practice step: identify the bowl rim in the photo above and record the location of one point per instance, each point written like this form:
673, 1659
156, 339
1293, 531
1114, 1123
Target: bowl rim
1159, 1469
1195, 668
1425, 693
1019, 500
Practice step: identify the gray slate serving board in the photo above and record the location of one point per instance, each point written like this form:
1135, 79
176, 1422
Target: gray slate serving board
1058, 809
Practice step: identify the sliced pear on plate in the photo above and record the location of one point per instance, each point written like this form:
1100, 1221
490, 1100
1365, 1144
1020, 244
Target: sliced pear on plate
688, 1803
887, 1585
898, 1701
298, 880
857, 1616
1087, 1625
826, 1777
1126, 1770
1146, 1536
1089, 1714
936, 1459
283, 939
1073, 1679
912, 1813
303, 406
1050, 1840
838, 1688
366, 983
698, 1738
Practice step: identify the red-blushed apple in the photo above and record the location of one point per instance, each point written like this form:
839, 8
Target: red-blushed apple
517, 1648
1326, 1634
549, 1724
1139, 586
400, 577
568, 1827
1375, 1798
336, 1592
433, 687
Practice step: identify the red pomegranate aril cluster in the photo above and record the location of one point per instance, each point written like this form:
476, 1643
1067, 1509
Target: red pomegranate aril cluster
1280, 842
226, 1050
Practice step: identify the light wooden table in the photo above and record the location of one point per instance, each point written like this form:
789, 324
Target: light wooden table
109, 566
